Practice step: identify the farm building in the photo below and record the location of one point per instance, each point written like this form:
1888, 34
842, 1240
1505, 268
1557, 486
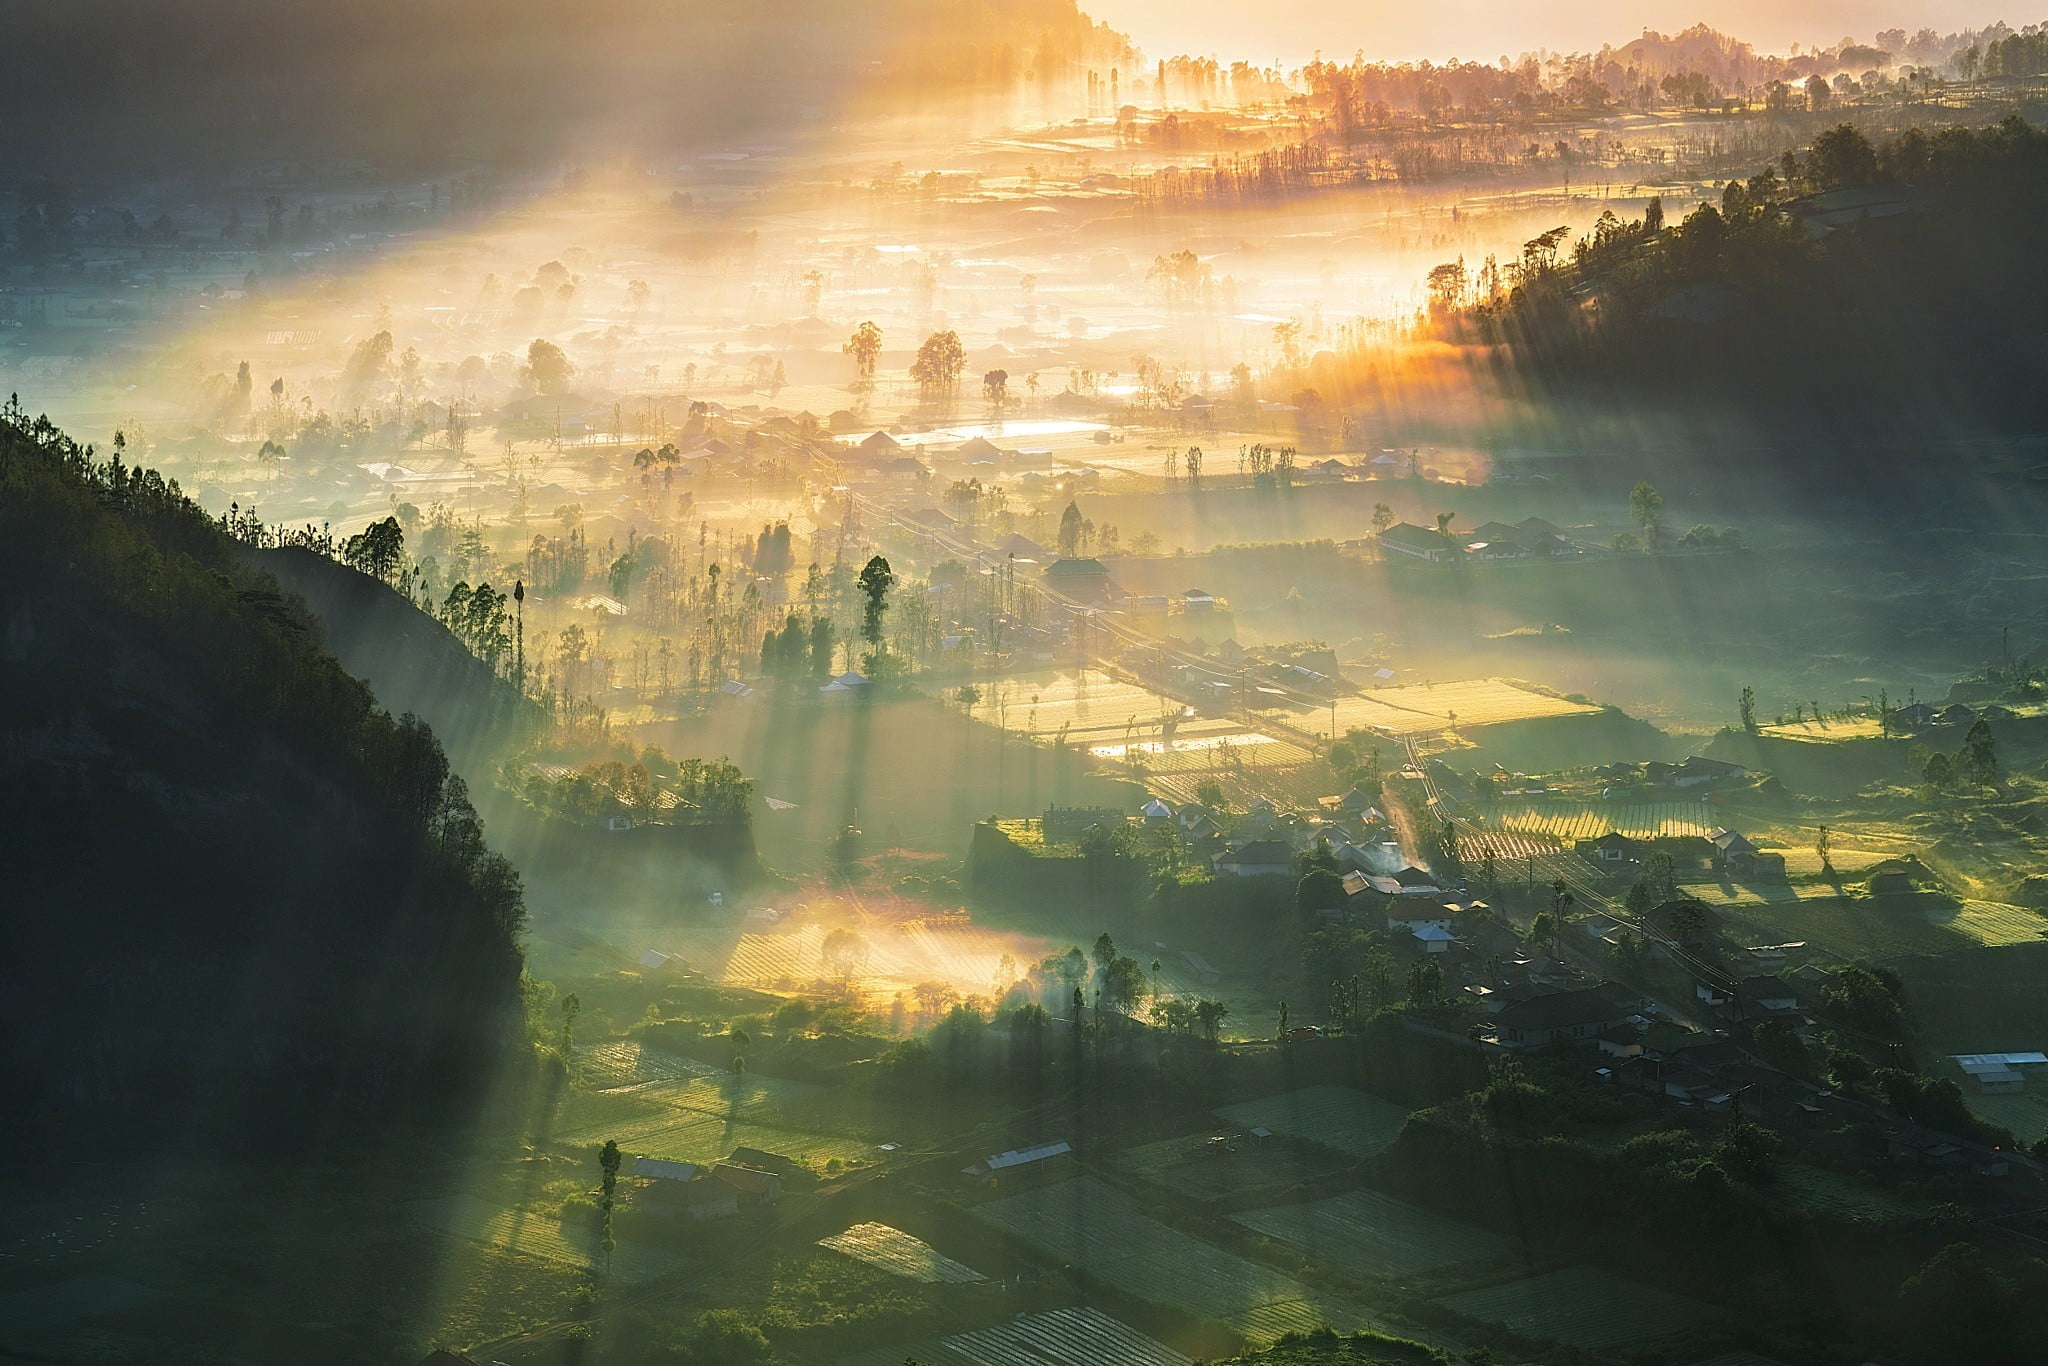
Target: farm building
1737, 857
1999, 1071
1042, 1157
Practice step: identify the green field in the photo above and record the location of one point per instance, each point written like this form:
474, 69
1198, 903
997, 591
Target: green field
1583, 1307
1852, 928
1843, 1197
695, 1112
1334, 1116
1993, 923
543, 1238
1082, 1222
899, 1254
1371, 1234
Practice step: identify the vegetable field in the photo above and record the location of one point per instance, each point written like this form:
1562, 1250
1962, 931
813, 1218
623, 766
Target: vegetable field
1076, 1334
1334, 1116
1372, 1234
1567, 821
899, 1254
1420, 709
1583, 1307
1088, 1224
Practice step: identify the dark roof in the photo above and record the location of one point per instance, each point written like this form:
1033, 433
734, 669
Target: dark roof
1411, 876
1611, 840
1260, 852
1076, 568
1420, 537
762, 1161
1600, 1004
745, 1178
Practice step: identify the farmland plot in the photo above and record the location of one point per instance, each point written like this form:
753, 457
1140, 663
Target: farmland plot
1373, 1234
1088, 1224
1566, 821
1423, 708
1334, 1116
1583, 1307
899, 1254
1074, 1335
1995, 924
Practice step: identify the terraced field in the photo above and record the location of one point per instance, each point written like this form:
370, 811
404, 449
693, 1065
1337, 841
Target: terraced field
1075, 1335
1567, 821
1424, 708
899, 1254
901, 953
1083, 1222
1371, 1234
1584, 1307
1334, 1116
1994, 923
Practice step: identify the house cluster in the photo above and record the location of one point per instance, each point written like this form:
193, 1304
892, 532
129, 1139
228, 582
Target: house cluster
1921, 716
1726, 853
1263, 840
1528, 538
1695, 772
747, 1182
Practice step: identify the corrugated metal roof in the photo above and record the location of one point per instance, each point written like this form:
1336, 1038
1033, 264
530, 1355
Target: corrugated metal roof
663, 1169
1018, 1157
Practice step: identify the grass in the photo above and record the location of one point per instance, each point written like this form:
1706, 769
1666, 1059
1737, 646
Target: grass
1842, 1197
1886, 927
1193, 1166
1372, 1234
1585, 1307
2023, 1112
1334, 1116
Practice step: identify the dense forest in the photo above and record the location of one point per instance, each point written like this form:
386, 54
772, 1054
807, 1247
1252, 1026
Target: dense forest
256, 904
1859, 285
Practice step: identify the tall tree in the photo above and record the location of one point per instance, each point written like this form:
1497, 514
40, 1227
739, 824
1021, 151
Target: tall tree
865, 347
876, 579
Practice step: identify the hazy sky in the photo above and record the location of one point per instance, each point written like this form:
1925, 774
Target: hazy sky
1291, 30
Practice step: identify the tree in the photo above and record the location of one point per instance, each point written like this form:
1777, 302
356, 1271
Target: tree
1746, 707
1823, 845
379, 550
1644, 505
1977, 760
937, 367
1070, 530
844, 951
608, 1163
995, 387
1382, 517
865, 347
876, 579
547, 368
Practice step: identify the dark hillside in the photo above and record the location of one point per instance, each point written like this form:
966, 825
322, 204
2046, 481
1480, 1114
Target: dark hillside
241, 900
410, 661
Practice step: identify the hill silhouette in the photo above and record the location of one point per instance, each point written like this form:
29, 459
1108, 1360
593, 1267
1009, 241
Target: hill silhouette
244, 902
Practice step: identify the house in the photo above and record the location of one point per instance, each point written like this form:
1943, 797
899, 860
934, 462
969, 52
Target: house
1259, 858
1694, 771
1418, 542
1542, 537
1496, 550
755, 1158
750, 1187
1561, 1017
1411, 912
1917, 716
1610, 848
879, 446
1195, 600
1433, 938
1737, 857
846, 685
1156, 812
979, 449
1087, 579
1413, 879
1765, 995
